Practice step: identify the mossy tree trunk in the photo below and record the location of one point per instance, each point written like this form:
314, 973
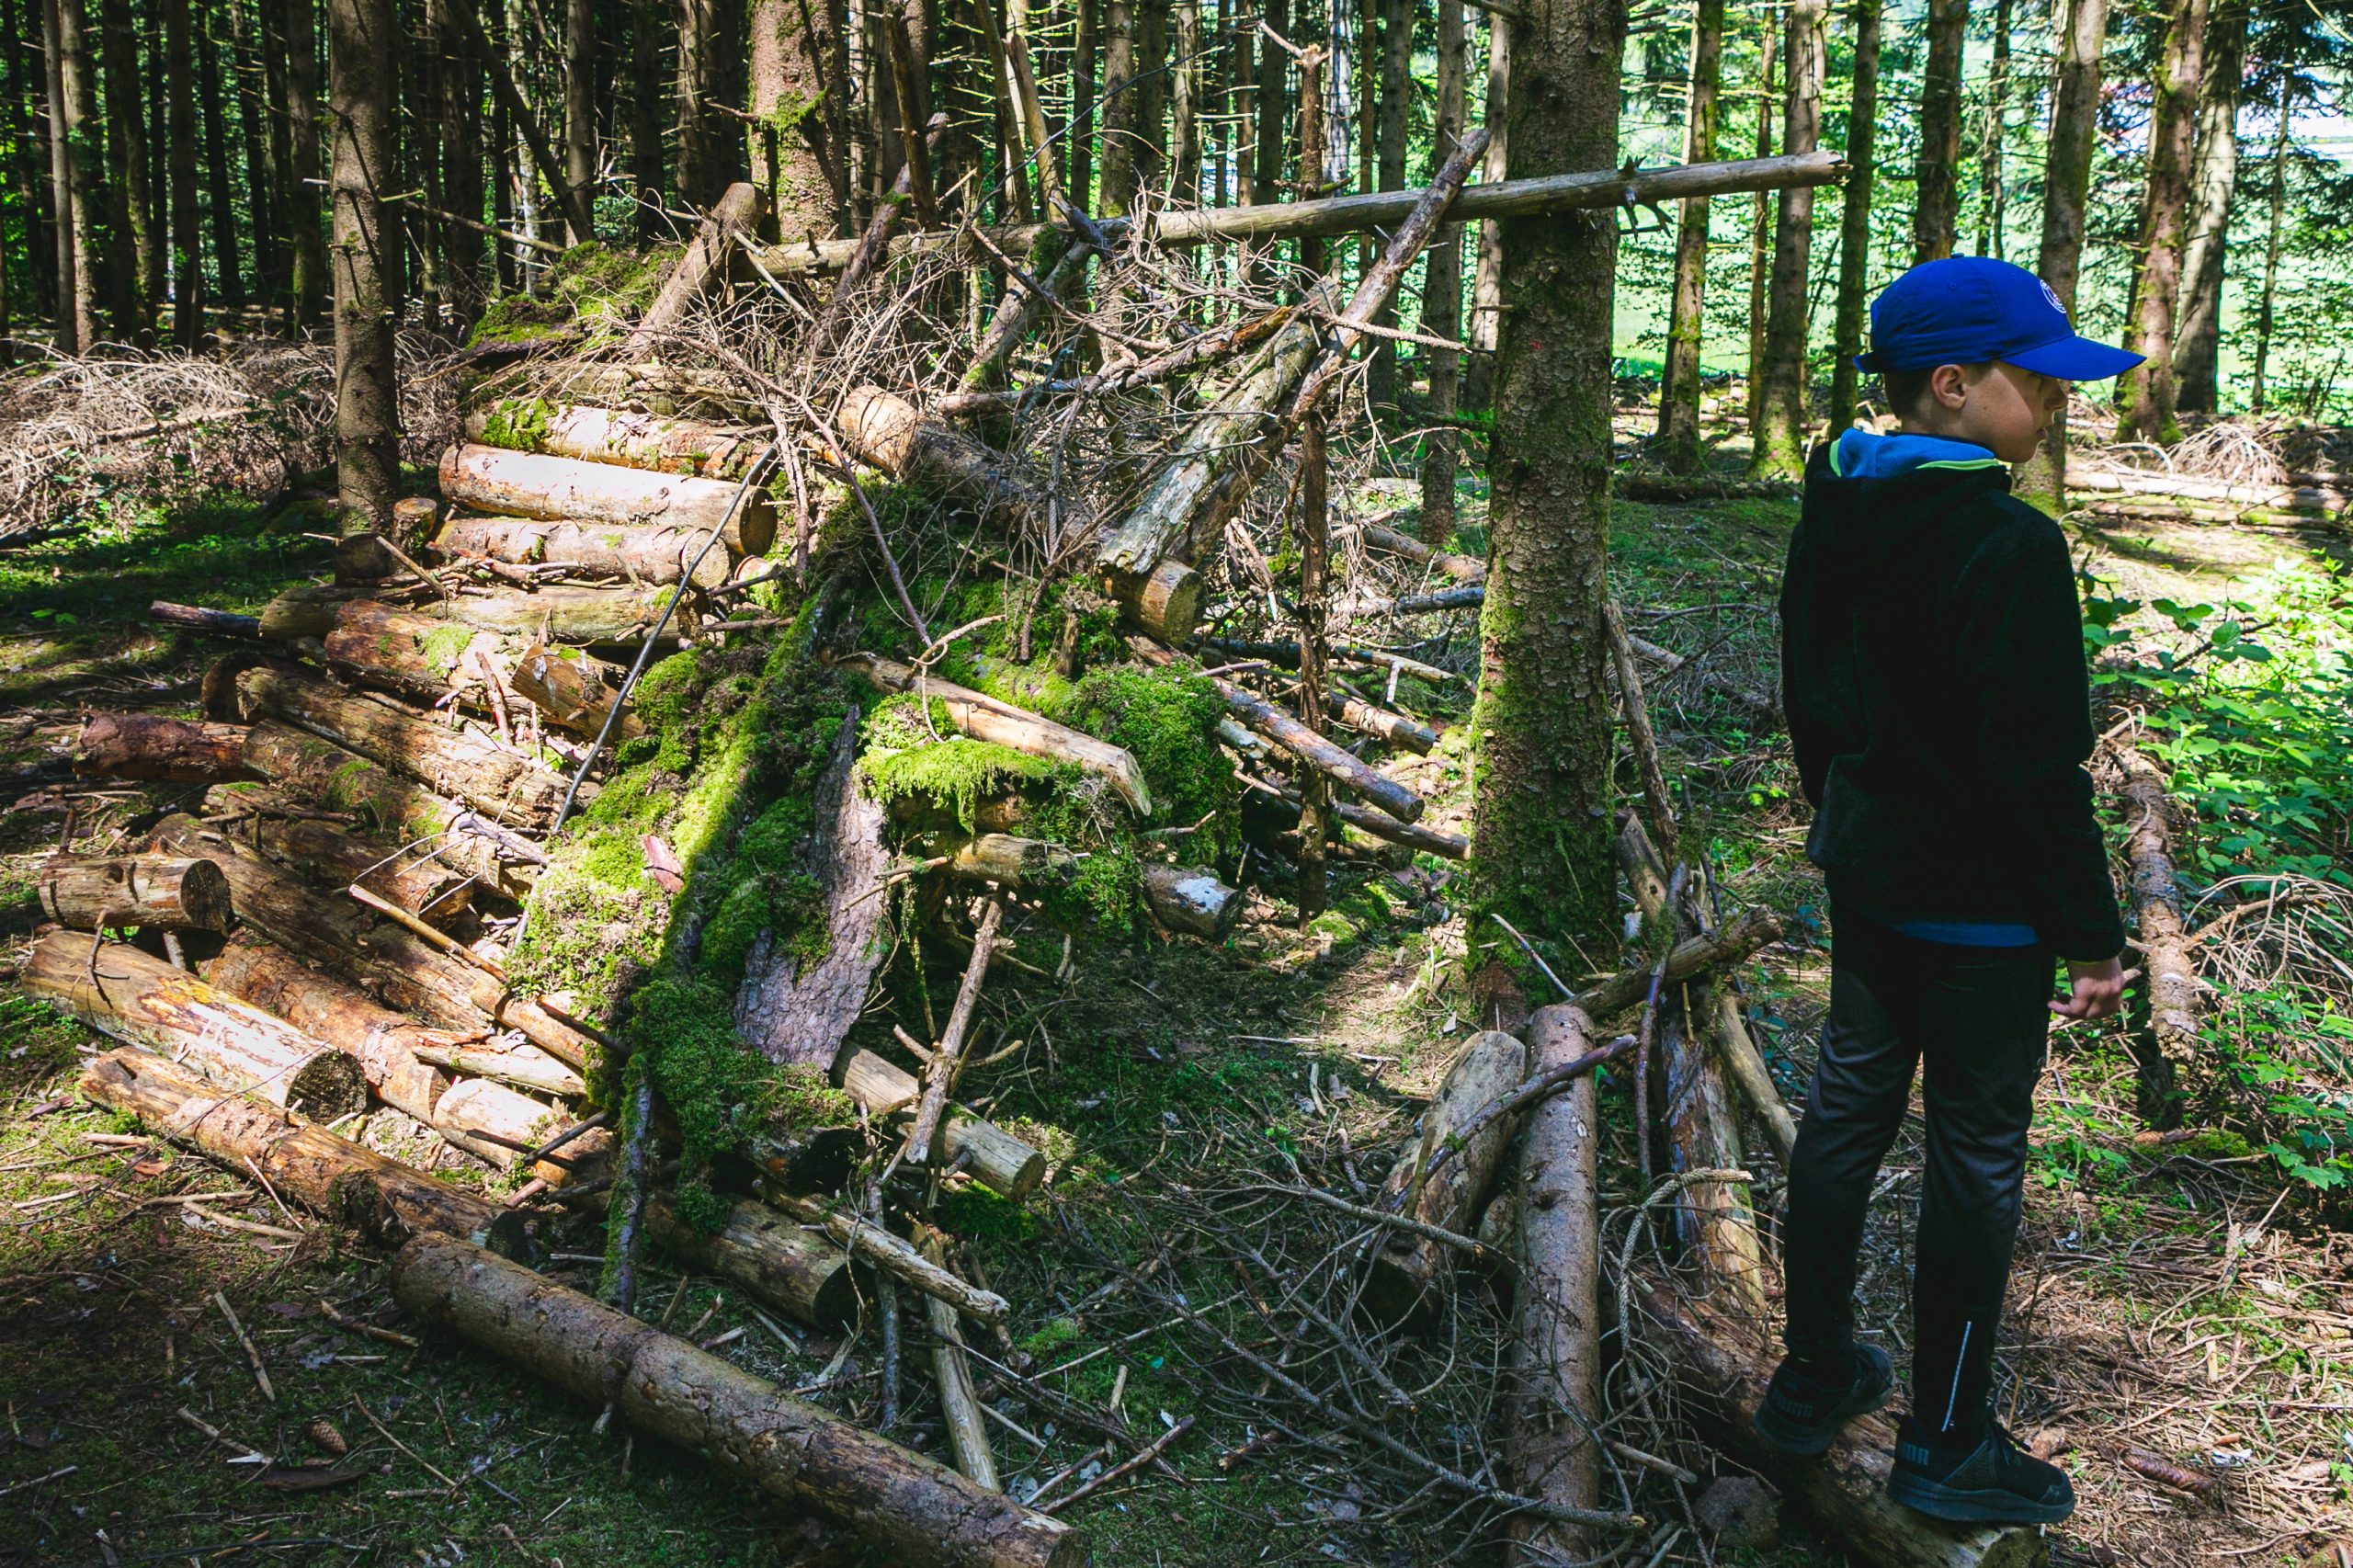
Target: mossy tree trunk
1781, 437
1679, 410
2145, 396
1936, 213
302, 131
1855, 219
1442, 296
1542, 826
2066, 186
2197, 354
366, 269
791, 43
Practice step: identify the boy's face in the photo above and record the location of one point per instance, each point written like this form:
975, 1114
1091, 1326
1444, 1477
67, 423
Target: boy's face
2005, 410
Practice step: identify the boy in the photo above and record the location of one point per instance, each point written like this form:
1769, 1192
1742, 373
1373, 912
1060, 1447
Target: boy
1933, 673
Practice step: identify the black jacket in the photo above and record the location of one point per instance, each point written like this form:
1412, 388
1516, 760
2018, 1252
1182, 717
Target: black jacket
1932, 668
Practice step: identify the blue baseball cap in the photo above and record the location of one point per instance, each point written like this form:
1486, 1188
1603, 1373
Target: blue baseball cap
1967, 309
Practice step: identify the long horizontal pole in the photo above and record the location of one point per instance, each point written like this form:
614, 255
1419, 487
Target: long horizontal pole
1368, 209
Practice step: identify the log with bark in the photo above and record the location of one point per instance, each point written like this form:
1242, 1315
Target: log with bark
2174, 993
532, 484
259, 818
304, 1163
195, 618
422, 654
1728, 944
2304, 500
122, 991
995, 1158
90, 893
1396, 728
1557, 1335
499, 1125
638, 552
1461, 568
384, 1042
808, 1277
581, 615
1402, 1276
913, 1510
572, 690
1030, 864
959, 1402
733, 219
985, 718
869, 1241
1745, 1066
691, 447
161, 751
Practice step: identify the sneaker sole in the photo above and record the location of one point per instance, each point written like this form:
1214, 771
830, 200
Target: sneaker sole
1810, 1442
1980, 1506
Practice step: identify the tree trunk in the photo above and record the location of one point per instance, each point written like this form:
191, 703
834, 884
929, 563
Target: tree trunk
167, 751
529, 484
384, 1042
1540, 809
994, 1158
1082, 133
84, 136
702, 131
580, 114
1557, 1336
225, 263
1678, 412
99, 893
1781, 437
1759, 243
1272, 105
136, 262
1119, 136
2146, 395
2264, 312
792, 48
335, 1177
23, 111
915, 1511
407, 878
1401, 1275
1855, 218
2196, 356
254, 103
366, 266
2066, 186
1936, 215
1442, 297
1991, 194
61, 183
657, 553
1396, 98
312, 281
645, 116
1487, 281
119, 990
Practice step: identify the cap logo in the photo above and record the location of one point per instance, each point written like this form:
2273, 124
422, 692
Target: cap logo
2052, 296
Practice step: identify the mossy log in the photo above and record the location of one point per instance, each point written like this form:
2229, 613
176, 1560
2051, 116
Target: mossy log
91, 892
777, 1261
408, 879
529, 485
306, 1164
985, 718
911, 1509
994, 1157
1192, 900
638, 552
335, 1013
666, 445
336, 779
1402, 1276
1026, 863
139, 1000
1723, 1366
422, 653
570, 688
163, 751
499, 782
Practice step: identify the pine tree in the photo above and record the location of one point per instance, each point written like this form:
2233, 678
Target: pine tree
1780, 448
1855, 218
367, 282
1678, 411
2145, 396
2066, 186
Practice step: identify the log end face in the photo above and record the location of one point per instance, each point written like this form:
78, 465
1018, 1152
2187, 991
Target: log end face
328, 1087
205, 901
1163, 600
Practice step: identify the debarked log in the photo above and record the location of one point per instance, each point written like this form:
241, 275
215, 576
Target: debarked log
995, 1158
531, 484
1192, 899
585, 615
985, 718
535, 1071
139, 1000
666, 445
913, 1509
1728, 943
640, 552
163, 751
307, 1164
93, 891
384, 1042
1401, 1277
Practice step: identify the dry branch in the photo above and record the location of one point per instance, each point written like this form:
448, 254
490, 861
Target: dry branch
2175, 999
1401, 1276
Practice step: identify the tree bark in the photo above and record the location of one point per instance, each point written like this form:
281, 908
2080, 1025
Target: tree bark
381, 1197
702, 132
808, 1279
689, 447
310, 278
1443, 298
367, 261
1936, 215
165, 751
84, 165
137, 262
566, 686
1401, 1277
1760, 248
1119, 117
1486, 283
1557, 1334
1190, 899
227, 268
2066, 186
253, 108
645, 116
1678, 413
1396, 98
580, 117
2197, 354
915, 1511
2175, 995
529, 484
384, 1042
1781, 437
2146, 395
994, 1158
60, 182
1542, 794
120, 991
95, 892
408, 879
1854, 217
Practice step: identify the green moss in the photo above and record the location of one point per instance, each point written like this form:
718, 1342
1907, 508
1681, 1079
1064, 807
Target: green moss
442, 647
519, 423
1168, 721
901, 760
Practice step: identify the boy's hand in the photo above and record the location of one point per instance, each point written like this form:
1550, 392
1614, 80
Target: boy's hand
2098, 989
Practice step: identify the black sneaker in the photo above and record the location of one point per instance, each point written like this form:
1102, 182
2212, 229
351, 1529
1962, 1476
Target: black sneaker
1992, 1481
1801, 1416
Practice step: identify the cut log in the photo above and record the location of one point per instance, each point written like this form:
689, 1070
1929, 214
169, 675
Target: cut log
529, 484
1028, 863
779, 1262
1557, 1337
161, 751
1380, 824
309, 610
535, 1071
995, 1158
487, 1120
1401, 1278
734, 218
796, 1015
471, 768
381, 1197
1715, 1220
960, 1403
691, 447
90, 891
2175, 995
1728, 943
408, 879
1470, 595
385, 1043
911, 1509
868, 1240
340, 780
217, 622
570, 688
640, 552
426, 656
1190, 899
145, 1002
2304, 500
1723, 1366
985, 718
574, 615
1394, 728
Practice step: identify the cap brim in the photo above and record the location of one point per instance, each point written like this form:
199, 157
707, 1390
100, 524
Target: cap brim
2075, 359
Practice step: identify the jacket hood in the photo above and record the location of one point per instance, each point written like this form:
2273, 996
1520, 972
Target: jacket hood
1868, 497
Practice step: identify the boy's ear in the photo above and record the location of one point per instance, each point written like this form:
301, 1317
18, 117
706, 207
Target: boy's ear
1949, 386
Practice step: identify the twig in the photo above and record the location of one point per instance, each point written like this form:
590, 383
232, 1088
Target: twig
244, 1343
381, 1335
1125, 1468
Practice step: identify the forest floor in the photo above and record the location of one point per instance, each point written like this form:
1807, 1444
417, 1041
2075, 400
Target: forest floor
2185, 1301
